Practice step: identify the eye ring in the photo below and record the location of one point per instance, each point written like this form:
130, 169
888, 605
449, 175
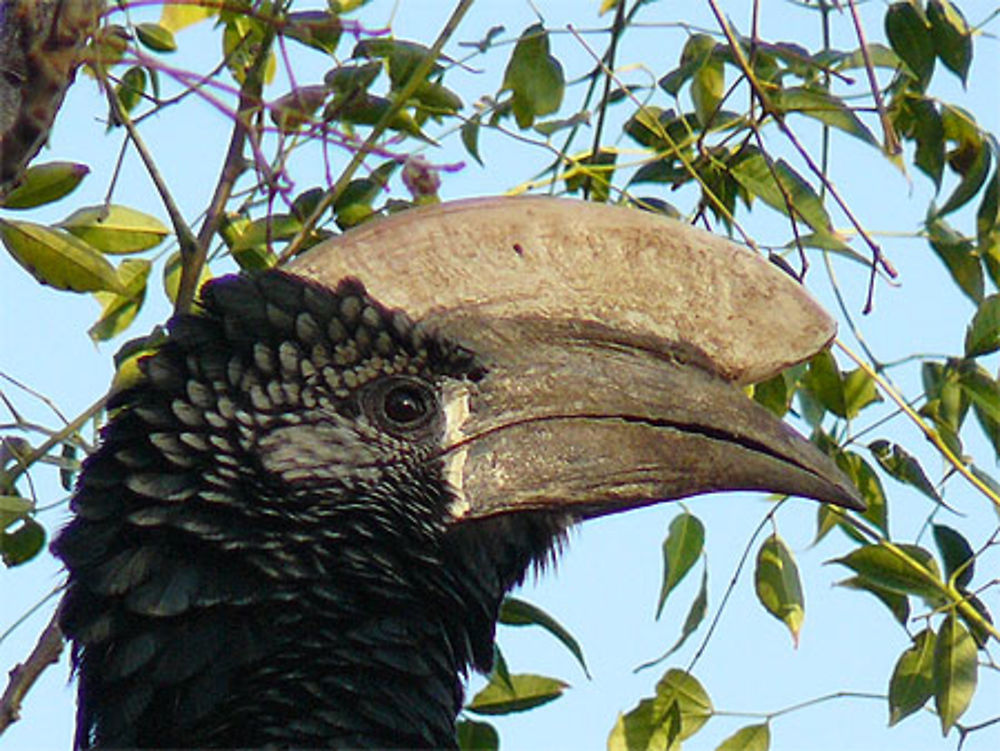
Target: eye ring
401, 404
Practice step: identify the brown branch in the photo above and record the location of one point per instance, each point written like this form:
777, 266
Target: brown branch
890, 140
22, 677
251, 92
185, 237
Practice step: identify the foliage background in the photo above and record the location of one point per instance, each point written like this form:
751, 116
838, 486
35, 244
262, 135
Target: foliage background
606, 586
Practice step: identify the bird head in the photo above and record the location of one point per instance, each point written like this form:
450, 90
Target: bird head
340, 470
609, 347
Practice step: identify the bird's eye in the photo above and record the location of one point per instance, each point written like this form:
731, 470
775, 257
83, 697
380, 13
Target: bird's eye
405, 404
401, 404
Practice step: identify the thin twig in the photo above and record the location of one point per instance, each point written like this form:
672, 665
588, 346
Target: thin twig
78, 422
890, 140
878, 258
417, 78
617, 30
185, 237
674, 149
732, 586
47, 650
931, 434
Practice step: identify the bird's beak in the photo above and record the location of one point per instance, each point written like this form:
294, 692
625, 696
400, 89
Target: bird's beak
589, 424
614, 343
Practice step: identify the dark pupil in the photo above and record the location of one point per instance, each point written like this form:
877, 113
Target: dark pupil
405, 404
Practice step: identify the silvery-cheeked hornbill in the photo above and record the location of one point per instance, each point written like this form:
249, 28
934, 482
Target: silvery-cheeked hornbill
299, 526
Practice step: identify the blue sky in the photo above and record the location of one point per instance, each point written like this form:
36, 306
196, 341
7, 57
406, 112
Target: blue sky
605, 586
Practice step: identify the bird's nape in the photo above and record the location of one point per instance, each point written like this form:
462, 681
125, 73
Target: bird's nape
300, 525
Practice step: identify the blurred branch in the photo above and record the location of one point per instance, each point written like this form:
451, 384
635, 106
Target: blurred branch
47, 650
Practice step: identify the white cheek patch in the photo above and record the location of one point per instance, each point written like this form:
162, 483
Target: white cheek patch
455, 396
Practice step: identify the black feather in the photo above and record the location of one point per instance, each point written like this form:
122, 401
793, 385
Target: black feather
256, 560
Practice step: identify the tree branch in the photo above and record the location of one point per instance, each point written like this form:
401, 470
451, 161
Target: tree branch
22, 677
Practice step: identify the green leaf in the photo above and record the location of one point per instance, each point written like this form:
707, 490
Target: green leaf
68, 466
684, 543
952, 37
352, 79
911, 39
366, 109
946, 404
525, 691
58, 258
987, 421
879, 55
401, 57
988, 226
534, 77
318, 29
983, 335
551, 127
473, 735
984, 392
955, 671
756, 173
296, 108
907, 570
903, 466
680, 708
695, 615
119, 310
822, 381
470, 137
823, 106
750, 738
516, 612
866, 481
500, 670
776, 580
980, 633
774, 394
117, 230
912, 682
45, 183
12, 508
177, 17
156, 37
242, 43
644, 728
707, 87
973, 163
928, 132
22, 544
957, 555
681, 689
859, 392
131, 89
